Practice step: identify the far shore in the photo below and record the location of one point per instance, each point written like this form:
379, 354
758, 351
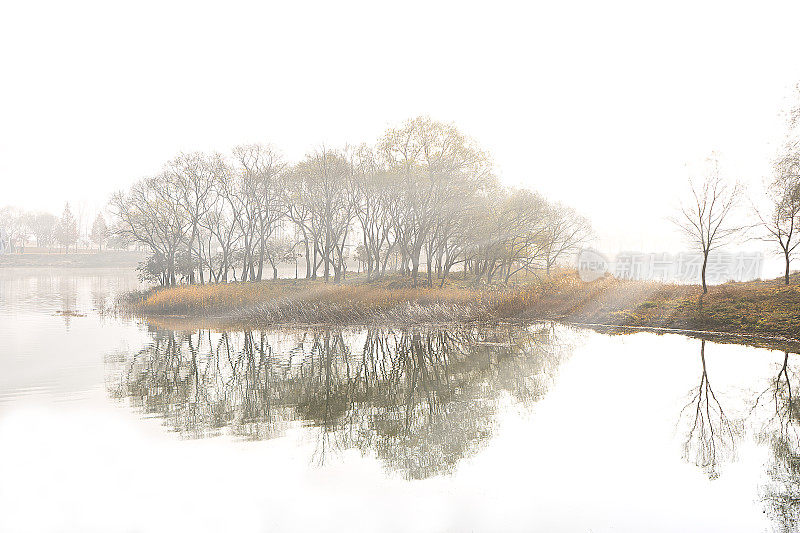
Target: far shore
767, 310
79, 259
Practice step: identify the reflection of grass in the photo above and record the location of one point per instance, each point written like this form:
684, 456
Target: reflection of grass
755, 307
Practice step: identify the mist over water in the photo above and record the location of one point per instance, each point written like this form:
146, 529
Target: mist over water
113, 425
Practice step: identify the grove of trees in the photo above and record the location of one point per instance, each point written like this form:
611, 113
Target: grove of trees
422, 201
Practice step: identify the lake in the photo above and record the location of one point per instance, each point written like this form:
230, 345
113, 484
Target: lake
108, 423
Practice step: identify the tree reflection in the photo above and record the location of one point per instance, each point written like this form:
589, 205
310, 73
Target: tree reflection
419, 399
711, 435
781, 431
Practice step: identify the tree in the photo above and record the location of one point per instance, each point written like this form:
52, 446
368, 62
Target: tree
783, 191
783, 194
439, 168
194, 176
704, 219
67, 229
372, 191
151, 213
44, 228
322, 176
17, 227
566, 231
99, 233
278, 251
262, 171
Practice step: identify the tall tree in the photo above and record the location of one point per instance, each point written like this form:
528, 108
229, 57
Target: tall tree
194, 175
323, 175
261, 170
780, 224
566, 232
705, 217
437, 165
67, 230
99, 233
152, 213
44, 228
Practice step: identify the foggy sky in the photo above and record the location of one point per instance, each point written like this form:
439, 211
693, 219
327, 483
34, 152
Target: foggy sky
599, 105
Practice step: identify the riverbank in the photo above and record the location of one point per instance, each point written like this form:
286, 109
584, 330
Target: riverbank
766, 308
81, 259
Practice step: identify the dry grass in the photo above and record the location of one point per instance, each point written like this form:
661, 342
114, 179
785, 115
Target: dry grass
764, 307
273, 302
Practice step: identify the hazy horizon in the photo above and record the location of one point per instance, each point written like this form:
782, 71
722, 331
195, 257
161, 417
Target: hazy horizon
598, 107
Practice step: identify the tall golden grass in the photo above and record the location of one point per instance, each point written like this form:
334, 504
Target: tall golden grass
310, 301
763, 307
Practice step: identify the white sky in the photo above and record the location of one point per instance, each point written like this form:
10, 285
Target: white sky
597, 104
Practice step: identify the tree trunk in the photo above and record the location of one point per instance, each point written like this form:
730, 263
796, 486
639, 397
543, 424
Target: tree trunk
316, 265
327, 256
308, 259
261, 246
429, 264
703, 273
786, 275
414, 268
445, 271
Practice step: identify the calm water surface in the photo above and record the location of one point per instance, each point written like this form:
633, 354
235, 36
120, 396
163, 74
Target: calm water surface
111, 424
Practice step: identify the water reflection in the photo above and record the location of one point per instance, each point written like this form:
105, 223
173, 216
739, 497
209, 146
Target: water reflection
774, 418
781, 432
420, 399
711, 437
416, 402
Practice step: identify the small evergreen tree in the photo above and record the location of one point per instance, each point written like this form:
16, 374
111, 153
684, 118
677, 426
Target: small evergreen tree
67, 230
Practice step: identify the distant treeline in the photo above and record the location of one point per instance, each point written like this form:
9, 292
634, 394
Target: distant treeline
423, 194
19, 228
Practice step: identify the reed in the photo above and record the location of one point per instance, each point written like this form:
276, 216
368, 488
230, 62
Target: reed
759, 307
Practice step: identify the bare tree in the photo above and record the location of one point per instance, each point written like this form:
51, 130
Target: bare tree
783, 194
262, 169
704, 219
195, 175
439, 167
566, 231
371, 192
323, 177
152, 213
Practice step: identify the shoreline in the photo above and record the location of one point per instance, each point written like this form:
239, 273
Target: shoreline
758, 311
81, 259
